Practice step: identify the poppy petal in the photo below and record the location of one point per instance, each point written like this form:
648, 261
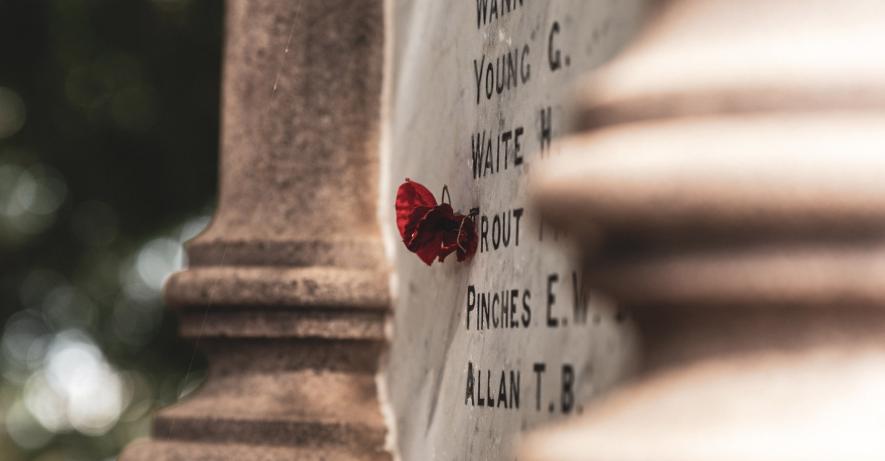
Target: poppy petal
418, 215
429, 249
409, 196
430, 230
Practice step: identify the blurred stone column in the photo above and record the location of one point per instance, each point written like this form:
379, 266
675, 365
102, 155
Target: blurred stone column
729, 187
287, 289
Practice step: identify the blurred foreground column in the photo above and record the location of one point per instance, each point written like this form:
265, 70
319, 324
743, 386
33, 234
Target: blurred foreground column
287, 289
730, 189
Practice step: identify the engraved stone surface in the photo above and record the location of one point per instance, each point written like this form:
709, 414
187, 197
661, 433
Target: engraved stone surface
486, 349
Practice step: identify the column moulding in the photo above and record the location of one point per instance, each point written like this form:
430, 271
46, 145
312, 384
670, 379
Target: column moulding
287, 289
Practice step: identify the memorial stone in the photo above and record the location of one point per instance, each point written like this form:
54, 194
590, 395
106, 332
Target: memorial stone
327, 108
484, 350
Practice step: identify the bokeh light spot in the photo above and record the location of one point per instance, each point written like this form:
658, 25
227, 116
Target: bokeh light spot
157, 259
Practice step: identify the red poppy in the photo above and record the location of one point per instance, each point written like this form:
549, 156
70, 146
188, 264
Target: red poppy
431, 230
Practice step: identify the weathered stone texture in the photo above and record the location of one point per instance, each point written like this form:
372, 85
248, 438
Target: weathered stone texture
301, 109
287, 290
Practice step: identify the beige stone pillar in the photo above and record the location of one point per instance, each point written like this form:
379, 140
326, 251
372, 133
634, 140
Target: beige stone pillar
730, 189
286, 291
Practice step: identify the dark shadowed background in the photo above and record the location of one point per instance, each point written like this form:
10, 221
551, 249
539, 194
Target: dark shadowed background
108, 148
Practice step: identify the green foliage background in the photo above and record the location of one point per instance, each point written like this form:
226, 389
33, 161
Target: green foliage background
108, 151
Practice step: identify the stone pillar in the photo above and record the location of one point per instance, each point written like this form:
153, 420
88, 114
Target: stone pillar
287, 290
729, 189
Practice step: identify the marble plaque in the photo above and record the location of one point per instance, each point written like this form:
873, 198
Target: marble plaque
485, 350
